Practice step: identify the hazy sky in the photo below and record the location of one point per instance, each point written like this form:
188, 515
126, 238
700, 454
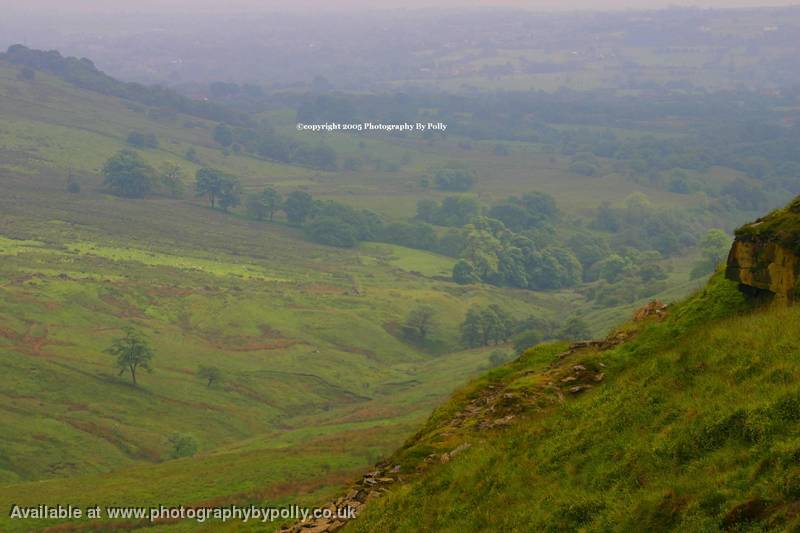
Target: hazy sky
295, 5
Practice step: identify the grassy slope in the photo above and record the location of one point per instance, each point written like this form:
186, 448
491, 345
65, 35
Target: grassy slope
318, 383
694, 428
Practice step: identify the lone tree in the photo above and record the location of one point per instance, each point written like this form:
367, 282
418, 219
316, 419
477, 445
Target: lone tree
211, 374
472, 328
132, 352
171, 177
272, 201
298, 207
128, 175
264, 205
218, 186
420, 321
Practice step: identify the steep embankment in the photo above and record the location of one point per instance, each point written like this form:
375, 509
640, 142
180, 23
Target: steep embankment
684, 420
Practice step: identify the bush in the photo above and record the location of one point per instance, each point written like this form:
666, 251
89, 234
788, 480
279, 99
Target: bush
142, 140
182, 445
332, 231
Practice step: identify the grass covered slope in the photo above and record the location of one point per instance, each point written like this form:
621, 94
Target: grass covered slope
693, 427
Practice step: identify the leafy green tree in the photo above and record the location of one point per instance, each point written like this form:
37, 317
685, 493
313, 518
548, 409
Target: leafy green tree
218, 187
511, 268
652, 272
611, 269
171, 177
428, 210
128, 175
481, 249
272, 201
211, 374
223, 135
714, 246
491, 327
254, 205
589, 249
132, 353
514, 216
526, 340
575, 329
457, 211
464, 273
298, 207
454, 179
472, 329
498, 357
420, 322
209, 183
230, 194
332, 231
505, 324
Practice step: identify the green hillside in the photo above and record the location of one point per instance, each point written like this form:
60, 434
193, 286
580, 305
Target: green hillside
689, 425
319, 381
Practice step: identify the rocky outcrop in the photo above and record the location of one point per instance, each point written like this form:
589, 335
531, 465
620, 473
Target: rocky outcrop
764, 266
765, 257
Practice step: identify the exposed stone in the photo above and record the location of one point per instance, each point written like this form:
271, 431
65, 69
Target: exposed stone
765, 266
655, 308
461, 448
765, 258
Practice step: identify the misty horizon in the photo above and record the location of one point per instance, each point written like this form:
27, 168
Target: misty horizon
37, 7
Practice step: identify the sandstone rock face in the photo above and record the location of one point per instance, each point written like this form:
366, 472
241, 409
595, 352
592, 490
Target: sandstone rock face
765, 258
765, 266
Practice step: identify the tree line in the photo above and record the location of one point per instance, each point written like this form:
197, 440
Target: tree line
518, 242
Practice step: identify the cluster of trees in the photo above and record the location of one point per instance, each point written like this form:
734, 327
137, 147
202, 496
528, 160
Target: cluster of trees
452, 211
639, 225
484, 326
454, 179
531, 210
128, 175
487, 325
263, 206
423, 236
742, 131
220, 188
262, 140
494, 254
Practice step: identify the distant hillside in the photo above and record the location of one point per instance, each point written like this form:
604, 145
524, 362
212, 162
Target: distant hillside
83, 73
685, 419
